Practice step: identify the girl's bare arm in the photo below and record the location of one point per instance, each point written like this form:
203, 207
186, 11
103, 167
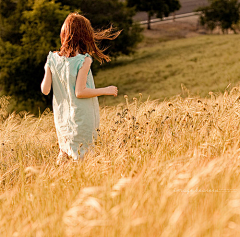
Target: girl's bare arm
47, 81
81, 91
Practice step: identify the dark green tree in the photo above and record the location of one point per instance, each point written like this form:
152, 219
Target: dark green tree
11, 20
24, 45
160, 7
220, 13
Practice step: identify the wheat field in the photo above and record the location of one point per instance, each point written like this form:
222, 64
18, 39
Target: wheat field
158, 169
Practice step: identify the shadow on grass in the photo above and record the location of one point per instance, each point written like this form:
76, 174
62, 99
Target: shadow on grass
156, 52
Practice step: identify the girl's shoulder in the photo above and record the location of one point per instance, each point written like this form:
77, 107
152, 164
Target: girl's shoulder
82, 57
86, 55
52, 55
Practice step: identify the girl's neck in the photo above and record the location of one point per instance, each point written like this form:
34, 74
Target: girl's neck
76, 53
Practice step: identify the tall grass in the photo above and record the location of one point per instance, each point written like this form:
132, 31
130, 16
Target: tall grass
158, 169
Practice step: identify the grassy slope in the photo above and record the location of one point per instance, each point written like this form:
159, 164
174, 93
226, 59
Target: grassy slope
202, 64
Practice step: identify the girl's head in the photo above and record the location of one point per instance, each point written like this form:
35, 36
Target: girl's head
77, 34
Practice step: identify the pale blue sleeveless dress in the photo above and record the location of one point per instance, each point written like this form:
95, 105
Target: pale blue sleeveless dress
76, 120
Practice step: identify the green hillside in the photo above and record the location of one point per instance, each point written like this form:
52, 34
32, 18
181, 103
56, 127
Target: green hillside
201, 64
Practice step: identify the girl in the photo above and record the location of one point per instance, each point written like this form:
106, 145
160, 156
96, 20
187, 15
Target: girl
75, 103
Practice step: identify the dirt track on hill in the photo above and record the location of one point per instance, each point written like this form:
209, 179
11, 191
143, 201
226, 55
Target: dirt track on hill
187, 6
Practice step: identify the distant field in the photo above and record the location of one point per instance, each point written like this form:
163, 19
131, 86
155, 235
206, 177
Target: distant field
201, 64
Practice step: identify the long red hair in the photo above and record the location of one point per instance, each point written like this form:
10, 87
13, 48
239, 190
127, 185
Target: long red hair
77, 35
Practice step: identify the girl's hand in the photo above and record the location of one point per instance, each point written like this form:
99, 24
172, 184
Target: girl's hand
111, 90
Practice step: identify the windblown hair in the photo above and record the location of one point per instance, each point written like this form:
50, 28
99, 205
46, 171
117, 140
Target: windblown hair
77, 35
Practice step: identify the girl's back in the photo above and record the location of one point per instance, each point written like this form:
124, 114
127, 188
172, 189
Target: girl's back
77, 119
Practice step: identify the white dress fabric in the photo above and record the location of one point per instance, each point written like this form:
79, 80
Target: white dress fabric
76, 120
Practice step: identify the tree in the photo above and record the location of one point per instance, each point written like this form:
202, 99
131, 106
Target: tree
160, 7
222, 13
11, 19
24, 46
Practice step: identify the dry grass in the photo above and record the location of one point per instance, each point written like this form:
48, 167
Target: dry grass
158, 169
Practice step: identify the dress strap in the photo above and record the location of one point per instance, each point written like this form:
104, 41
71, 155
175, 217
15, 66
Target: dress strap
82, 60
